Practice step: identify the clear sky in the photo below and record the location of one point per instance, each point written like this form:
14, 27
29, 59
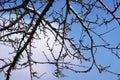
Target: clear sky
103, 56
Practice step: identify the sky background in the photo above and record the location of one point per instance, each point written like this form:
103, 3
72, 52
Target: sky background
103, 56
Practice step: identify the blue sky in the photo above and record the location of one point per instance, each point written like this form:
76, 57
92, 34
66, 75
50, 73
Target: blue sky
103, 56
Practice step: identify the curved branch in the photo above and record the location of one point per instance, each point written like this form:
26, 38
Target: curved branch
17, 7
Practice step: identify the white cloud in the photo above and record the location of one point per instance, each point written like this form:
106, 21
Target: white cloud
41, 46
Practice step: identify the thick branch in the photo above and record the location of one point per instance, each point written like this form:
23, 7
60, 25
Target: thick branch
16, 58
